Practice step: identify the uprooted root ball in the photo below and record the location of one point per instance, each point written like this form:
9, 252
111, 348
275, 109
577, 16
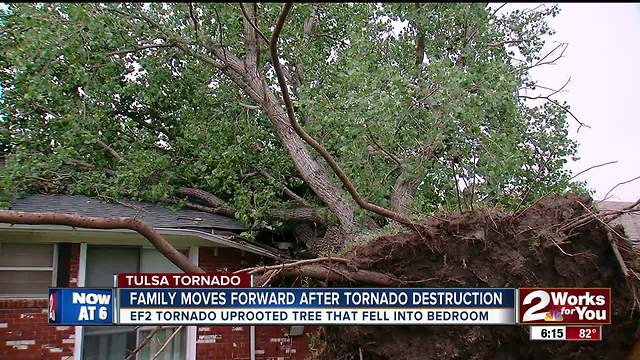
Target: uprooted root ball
484, 248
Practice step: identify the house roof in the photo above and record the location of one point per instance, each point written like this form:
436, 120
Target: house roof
629, 221
157, 216
211, 227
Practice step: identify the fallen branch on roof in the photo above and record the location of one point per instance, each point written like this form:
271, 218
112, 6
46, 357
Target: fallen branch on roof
214, 205
108, 223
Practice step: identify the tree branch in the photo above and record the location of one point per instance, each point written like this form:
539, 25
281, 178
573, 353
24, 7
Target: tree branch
203, 208
143, 343
107, 223
619, 184
393, 158
301, 214
497, 9
325, 269
194, 19
297, 198
167, 342
253, 25
419, 38
273, 45
592, 167
114, 154
558, 105
542, 60
215, 205
561, 88
208, 199
250, 41
139, 48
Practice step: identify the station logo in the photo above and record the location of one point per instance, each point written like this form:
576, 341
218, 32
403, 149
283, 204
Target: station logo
564, 306
52, 306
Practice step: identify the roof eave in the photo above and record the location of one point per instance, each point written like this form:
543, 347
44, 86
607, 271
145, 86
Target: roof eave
217, 239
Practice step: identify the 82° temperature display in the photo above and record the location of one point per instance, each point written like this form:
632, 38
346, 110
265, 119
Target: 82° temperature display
567, 333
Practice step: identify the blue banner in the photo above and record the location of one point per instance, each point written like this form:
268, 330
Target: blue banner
80, 306
318, 298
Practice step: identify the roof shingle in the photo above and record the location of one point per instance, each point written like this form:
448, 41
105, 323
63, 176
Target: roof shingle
155, 215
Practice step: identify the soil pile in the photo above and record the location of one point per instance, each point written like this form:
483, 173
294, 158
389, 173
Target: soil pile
484, 248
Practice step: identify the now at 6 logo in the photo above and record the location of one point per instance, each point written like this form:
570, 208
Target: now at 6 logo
564, 306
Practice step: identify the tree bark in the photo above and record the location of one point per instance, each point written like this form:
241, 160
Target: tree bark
252, 84
74, 220
331, 273
251, 40
404, 191
300, 214
309, 169
215, 205
318, 147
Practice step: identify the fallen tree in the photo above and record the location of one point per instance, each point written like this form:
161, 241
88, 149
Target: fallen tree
560, 241
326, 118
488, 248
370, 127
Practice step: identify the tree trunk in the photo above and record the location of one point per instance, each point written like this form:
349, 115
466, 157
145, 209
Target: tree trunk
313, 174
246, 76
300, 214
404, 191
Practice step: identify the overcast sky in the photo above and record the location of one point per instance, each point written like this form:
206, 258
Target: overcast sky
603, 61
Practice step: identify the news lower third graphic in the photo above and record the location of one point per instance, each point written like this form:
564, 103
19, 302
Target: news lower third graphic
228, 299
80, 306
371, 306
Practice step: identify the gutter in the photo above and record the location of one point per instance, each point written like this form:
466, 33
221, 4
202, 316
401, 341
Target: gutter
241, 245
217, 239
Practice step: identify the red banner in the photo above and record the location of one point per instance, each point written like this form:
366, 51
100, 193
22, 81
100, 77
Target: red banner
582, 333
558, 306
182, 280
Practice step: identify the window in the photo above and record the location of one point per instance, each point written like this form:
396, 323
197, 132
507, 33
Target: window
109, 342
152, 261
115, 342
174, 350
26, 270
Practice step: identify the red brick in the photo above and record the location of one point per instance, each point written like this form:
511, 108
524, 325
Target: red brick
227, 259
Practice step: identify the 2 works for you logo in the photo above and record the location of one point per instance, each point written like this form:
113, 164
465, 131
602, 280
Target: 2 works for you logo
564, 305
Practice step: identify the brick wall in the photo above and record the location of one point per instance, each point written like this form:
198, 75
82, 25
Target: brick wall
74, 265
233, 342
24, 333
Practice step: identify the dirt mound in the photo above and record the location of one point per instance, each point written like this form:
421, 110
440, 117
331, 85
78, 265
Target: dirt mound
486, 249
